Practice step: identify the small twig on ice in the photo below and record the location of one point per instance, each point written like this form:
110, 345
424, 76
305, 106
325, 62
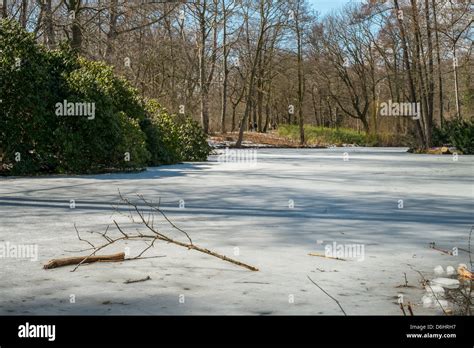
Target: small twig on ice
342, 309
83, 240
469, 246
403, 309
434, 247
156, 208
137, 280
326, 257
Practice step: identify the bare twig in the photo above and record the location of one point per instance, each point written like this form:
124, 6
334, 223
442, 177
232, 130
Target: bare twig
469, 303
156, 208
83, 240
434, 247
342, 309
403, 309
469, 246
137, 280
326, 257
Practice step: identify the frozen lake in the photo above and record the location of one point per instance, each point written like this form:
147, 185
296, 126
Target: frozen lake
272, 213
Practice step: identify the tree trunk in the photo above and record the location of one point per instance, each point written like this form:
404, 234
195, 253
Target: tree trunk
225, 68
425, 122
4, 9
24, 13
112, 34
76, 41
406, 60
456, 83
300, 75
49, 25
430, 77
233, 117
252, 79
253, 71
438, 61
204, 89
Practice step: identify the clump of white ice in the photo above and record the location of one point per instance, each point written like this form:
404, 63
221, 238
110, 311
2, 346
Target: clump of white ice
439, 270
446, 283
450, 270
434, 289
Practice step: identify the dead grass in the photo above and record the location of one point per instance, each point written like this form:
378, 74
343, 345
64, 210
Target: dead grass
270, 139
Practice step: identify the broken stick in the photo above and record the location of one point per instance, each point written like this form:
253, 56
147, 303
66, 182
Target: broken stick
137, 280
75, 260
326, 257
434, 247
403, 309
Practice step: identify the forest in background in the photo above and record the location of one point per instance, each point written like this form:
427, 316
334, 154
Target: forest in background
239, 65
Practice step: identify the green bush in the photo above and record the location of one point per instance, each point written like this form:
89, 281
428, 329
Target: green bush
24, 92
172, 139
456, 132
194, 145
162, 135
125, 132
132, 151
102, 142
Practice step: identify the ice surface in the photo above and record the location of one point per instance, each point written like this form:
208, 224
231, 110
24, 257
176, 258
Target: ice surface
434, 289
229, 206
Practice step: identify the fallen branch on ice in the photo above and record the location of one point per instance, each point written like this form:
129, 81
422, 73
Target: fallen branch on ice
137, 215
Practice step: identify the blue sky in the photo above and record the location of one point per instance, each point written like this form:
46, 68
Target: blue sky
326, 6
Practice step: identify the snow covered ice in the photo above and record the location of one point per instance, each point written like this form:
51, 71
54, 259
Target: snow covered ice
351, 198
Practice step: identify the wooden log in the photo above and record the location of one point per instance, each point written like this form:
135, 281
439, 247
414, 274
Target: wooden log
54, 263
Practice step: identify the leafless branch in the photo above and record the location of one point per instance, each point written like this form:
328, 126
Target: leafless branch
329, 295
